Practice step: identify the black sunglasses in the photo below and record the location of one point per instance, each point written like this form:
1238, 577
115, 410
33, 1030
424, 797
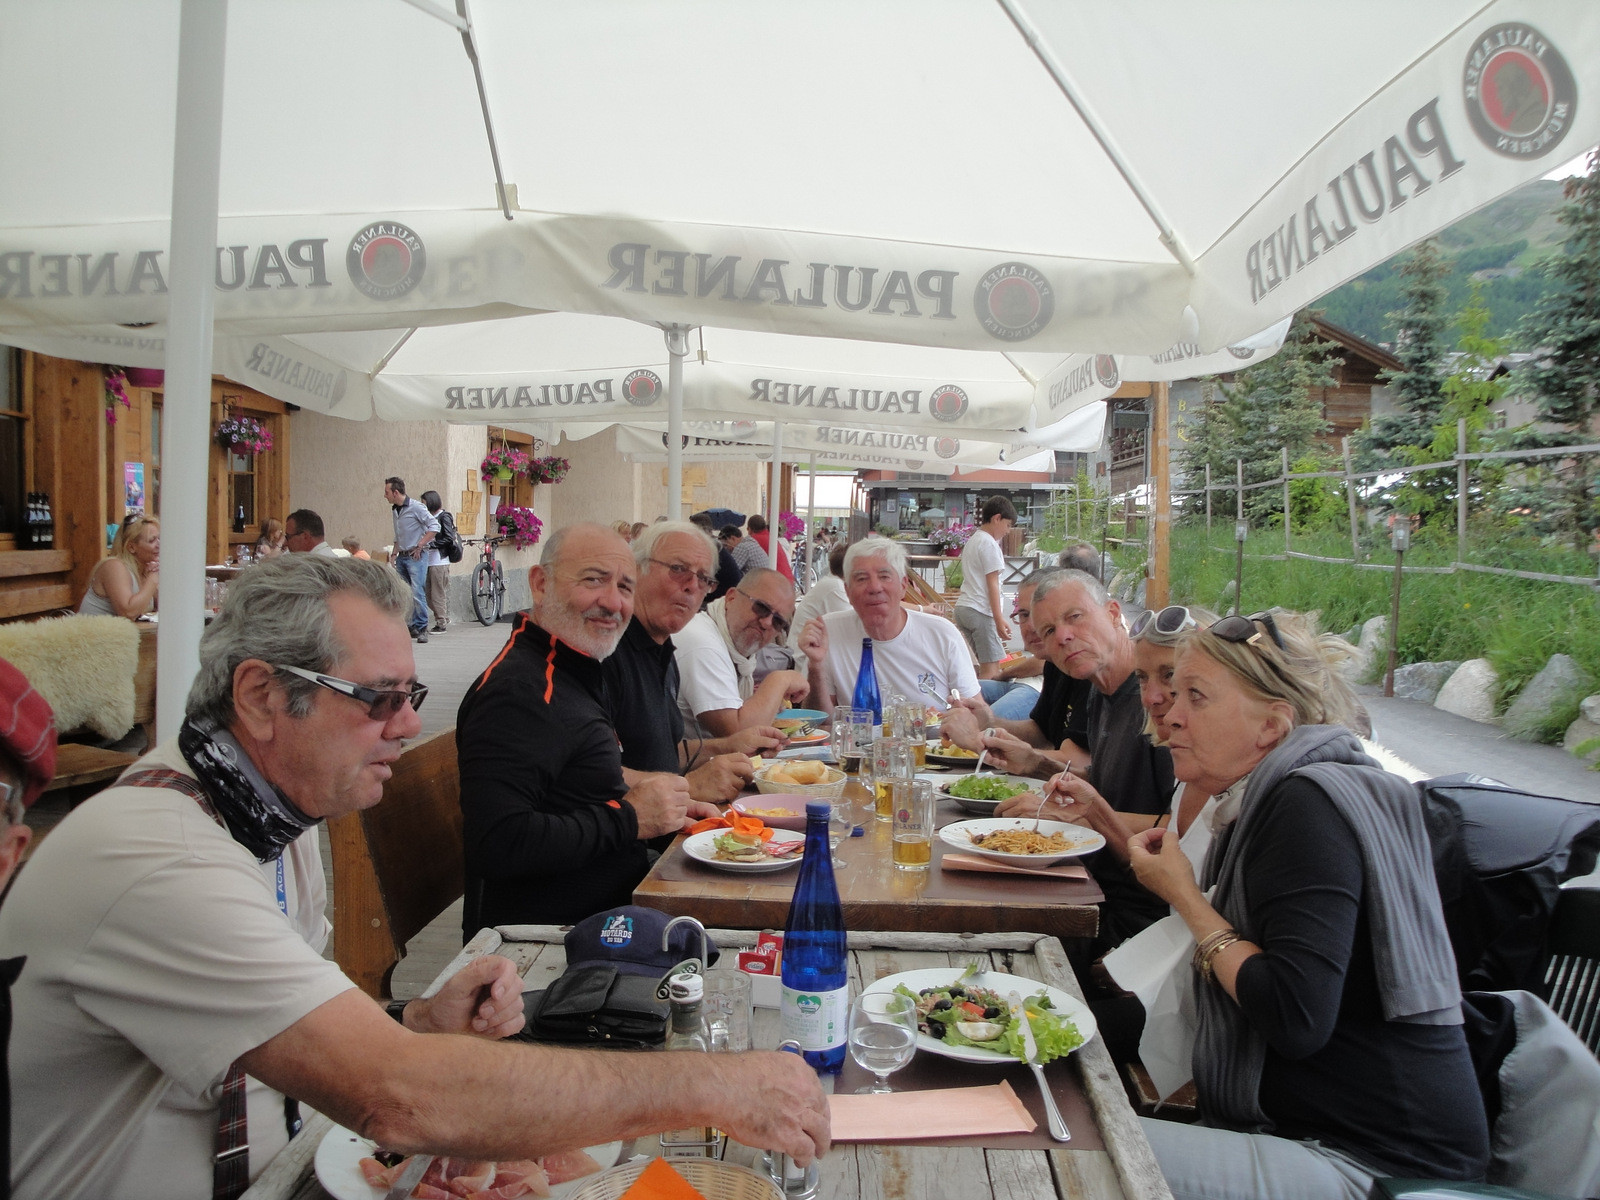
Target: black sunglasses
681, 574
382, 704
1159, 624
765, 612
1243, 630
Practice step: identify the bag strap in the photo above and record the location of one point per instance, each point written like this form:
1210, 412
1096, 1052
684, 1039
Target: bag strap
230, 1169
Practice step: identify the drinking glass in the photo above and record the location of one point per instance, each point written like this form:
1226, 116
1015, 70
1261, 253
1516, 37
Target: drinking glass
912, 824
852, 732
883, 1036
841, 824
891, 760
727, 1009
913, 727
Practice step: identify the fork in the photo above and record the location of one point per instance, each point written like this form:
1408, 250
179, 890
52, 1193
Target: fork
978, 770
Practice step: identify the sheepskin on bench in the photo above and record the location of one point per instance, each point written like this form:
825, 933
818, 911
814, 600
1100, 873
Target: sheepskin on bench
84, 666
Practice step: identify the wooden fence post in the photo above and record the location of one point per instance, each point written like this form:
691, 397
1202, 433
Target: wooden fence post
1286, 546
1461, 490
1350, 498
1208, 503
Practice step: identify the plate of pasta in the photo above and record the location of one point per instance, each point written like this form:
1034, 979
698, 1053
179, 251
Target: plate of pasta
1015, 839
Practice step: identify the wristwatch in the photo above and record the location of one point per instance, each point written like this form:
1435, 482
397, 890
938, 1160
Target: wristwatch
397, 1009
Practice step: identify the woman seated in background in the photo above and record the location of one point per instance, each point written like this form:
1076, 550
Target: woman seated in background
124, 583
271, 542
624, 530
1329, 1046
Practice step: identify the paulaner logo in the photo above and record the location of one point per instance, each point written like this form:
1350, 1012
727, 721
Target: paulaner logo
947, 402
1013, 301
385, 260
947, 447
1519, 91
641, 387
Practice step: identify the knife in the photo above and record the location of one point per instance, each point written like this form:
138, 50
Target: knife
1058, 1127
416, 1168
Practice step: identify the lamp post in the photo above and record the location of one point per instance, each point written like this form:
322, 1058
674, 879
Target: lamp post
1401, 538
1241, 530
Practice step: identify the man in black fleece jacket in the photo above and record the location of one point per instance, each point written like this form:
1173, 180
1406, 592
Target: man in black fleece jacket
553, 833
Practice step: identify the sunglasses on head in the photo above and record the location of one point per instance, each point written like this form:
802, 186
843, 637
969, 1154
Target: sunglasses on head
382, 703
1242, 630
1162, 625
765, 612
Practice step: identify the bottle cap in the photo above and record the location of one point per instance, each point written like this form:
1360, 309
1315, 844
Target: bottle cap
819, 808
687, 989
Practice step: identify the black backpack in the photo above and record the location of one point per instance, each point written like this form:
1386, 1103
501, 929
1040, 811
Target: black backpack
448, 540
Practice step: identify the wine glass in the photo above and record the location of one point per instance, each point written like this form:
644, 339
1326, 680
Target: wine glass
883, 1036
841, 824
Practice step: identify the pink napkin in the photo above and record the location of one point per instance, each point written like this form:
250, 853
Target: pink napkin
940, 1112
969, 862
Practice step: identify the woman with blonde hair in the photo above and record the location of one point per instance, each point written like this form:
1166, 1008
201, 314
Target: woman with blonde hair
124, 583
271, 542
1329, 1047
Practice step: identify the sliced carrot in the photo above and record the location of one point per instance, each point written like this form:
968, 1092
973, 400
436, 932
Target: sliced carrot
751, 827
708, 823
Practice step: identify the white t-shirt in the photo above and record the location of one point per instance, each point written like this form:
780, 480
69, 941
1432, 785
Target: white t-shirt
826, 595
979, 556
707, 679
929, 650
157, 954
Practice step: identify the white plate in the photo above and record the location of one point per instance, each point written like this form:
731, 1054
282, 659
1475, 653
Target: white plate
958, 836
339, 1156
701, 847
1073, 1009
985, 808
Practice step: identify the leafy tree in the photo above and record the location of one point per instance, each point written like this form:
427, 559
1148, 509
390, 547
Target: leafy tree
1420, 326
1564, 375
1269, 406
1468, 392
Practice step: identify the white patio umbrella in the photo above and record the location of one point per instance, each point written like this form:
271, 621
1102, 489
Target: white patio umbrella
1104, 179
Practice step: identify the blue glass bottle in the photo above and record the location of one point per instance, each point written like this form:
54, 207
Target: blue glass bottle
867, 685
815, 1005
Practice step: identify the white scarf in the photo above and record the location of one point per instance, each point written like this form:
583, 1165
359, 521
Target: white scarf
743, 664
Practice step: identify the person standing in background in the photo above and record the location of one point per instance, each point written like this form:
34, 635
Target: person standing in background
438, 587
414, 527
979, 613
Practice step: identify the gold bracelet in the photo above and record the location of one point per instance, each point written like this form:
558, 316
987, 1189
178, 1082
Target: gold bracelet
1221, 944
1207, 947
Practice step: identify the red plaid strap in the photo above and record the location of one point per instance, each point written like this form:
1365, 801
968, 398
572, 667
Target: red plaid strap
230, 1173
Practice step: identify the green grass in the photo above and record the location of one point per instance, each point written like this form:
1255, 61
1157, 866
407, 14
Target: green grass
1516, 624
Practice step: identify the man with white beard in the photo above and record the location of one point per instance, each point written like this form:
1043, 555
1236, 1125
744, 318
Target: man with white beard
553, 832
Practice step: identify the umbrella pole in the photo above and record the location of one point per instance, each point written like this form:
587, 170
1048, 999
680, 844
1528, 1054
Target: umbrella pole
677, 347
811, 519
186, 429
774, 485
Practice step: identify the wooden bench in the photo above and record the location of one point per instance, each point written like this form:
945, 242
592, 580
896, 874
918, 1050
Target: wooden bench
81, 771
397, 865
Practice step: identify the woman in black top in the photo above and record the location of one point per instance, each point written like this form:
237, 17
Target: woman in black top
1329, 1046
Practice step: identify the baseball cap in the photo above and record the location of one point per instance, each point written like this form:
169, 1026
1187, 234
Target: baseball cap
629, 938
27, 731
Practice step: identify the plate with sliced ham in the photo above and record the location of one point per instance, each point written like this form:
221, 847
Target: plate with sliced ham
347, 1169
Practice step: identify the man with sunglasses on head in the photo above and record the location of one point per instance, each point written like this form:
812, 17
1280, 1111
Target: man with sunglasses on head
717, 658
175, 989
675, 560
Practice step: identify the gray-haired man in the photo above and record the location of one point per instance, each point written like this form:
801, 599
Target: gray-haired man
173, 927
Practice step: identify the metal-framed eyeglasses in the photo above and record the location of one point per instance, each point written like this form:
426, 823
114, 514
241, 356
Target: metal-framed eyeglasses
765, 612
681, 573
382, 703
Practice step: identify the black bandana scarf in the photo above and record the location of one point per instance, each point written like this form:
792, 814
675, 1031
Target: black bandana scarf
260, 817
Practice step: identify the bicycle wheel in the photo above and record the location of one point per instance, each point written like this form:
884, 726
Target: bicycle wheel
499, 590
485, 597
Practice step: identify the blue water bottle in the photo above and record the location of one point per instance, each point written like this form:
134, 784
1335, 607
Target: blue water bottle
867, 684
815, 1005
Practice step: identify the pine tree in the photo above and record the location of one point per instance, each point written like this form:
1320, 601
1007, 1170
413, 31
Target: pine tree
1420, 345
1269, 406
1564, 375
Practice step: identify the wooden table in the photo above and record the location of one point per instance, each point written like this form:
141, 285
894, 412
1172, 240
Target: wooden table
1124, 1170
875, 894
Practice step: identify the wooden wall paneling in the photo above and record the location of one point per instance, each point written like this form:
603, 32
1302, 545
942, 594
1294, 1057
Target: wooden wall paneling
76, 392
471, 506
219, 520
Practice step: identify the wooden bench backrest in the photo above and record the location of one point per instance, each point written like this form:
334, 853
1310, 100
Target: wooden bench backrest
397, 865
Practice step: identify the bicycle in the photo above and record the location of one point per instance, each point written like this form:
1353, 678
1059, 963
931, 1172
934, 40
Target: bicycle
488, 581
